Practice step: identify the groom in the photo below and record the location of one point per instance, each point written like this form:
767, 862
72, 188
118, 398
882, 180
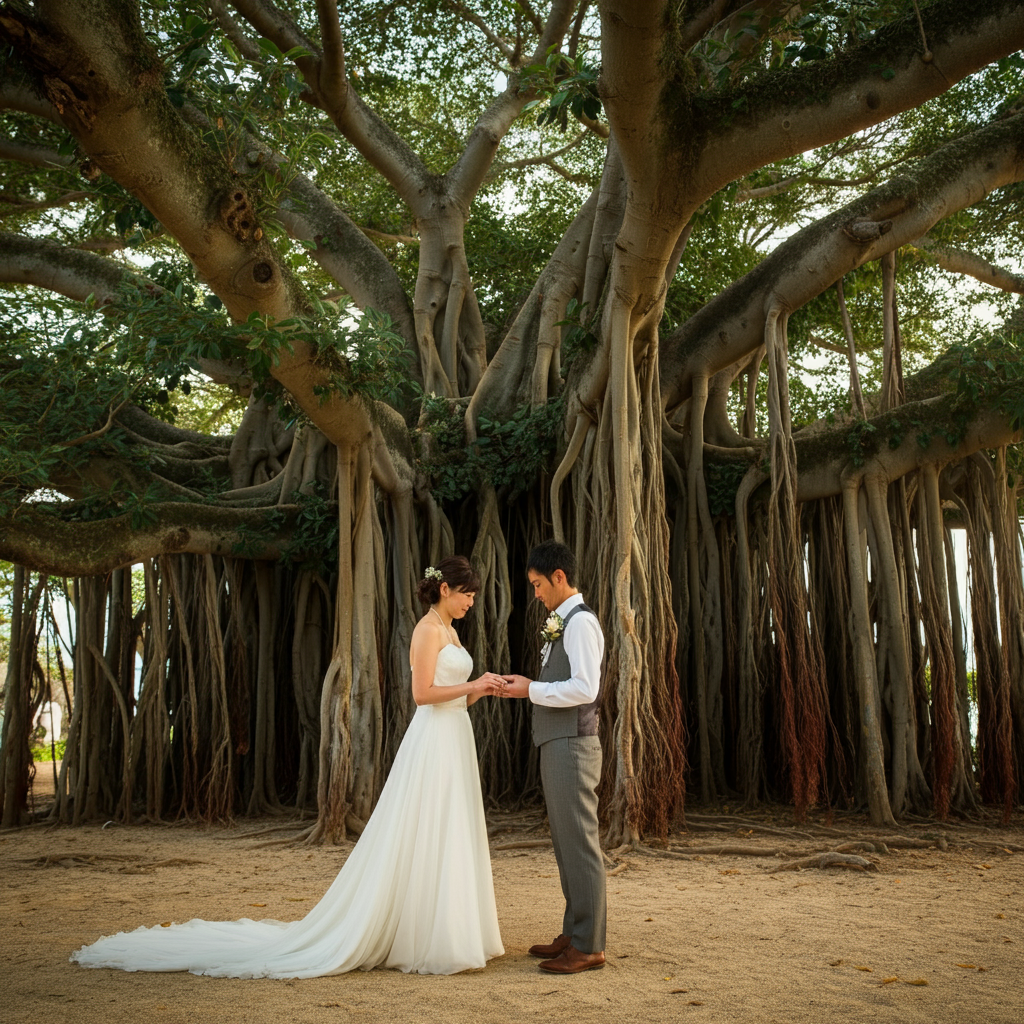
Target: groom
565, 712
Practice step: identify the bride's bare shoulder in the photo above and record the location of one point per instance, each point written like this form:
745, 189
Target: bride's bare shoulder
428, 632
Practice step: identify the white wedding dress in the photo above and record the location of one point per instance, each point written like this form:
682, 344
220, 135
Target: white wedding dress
415, 893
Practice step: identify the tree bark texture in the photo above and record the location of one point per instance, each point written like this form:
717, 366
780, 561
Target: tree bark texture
763, 636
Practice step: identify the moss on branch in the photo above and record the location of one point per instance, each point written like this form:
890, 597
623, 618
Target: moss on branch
51, 543
693, 115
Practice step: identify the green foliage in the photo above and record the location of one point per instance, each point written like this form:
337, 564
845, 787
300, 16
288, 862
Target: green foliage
314, 542
369, 360
985, 372
508, 245
581, 337
828, 27
137, 507
988, 371
567, 85
428, 72
512, 453
59, 388
57, 391
444, 455
716, 254
252, 540
722, 481
861, 442
65, 373
506, 454
755, 42
45, 753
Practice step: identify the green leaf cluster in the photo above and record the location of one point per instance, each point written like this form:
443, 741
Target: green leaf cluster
314, 542
45, 753
988, 371
507, 454
722, 481
567, 86
581, 337
367, 358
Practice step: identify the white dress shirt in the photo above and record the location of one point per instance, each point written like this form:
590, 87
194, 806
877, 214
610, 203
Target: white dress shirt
584, 645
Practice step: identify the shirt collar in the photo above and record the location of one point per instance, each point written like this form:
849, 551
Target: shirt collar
568, 604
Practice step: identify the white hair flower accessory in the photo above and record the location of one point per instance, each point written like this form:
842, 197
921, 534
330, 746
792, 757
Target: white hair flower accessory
433, 574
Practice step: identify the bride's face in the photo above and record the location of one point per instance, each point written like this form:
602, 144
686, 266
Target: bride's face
458, 602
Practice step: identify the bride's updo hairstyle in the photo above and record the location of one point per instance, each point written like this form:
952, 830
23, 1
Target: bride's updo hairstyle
454, 570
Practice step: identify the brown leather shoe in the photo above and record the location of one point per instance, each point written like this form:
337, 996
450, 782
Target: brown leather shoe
551, 949
572, 961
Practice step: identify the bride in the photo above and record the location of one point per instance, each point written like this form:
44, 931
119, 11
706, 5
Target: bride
416, 891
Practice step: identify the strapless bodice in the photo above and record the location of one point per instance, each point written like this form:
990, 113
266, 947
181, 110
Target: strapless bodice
454, 665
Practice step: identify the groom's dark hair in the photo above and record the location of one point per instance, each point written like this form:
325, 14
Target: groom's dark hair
550, 555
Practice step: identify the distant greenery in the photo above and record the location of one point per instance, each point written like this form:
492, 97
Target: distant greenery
44, 753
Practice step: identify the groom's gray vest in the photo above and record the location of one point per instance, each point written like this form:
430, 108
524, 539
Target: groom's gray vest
554, 723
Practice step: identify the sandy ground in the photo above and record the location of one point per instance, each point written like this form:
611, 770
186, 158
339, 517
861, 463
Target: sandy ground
932, 935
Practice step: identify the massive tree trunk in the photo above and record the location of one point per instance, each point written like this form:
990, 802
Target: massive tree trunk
718, 673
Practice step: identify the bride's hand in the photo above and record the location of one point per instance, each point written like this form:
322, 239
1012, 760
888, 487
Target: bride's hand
489, 684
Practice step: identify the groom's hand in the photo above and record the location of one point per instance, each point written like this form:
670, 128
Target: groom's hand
517, 686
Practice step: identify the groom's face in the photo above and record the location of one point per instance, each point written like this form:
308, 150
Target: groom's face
548, 592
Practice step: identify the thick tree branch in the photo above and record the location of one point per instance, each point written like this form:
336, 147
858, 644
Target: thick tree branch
79, 275
779, 121
69, 272
960, 261
50, 544
157, 432
383, 148
274, 24
101, 66
37, 156
491, 127
332, 81
18, 96
823, 457
10, 205
732, 325
345, 252
901, 442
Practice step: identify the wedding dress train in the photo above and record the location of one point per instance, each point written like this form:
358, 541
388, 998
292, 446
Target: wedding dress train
415, 893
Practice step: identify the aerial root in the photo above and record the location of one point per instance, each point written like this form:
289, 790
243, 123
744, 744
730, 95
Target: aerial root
523, 844
828, 860
843, 855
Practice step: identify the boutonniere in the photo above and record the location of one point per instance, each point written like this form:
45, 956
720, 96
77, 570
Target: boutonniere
553, 628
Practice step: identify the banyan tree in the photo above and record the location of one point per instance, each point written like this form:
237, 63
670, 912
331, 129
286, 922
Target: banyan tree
696, 286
